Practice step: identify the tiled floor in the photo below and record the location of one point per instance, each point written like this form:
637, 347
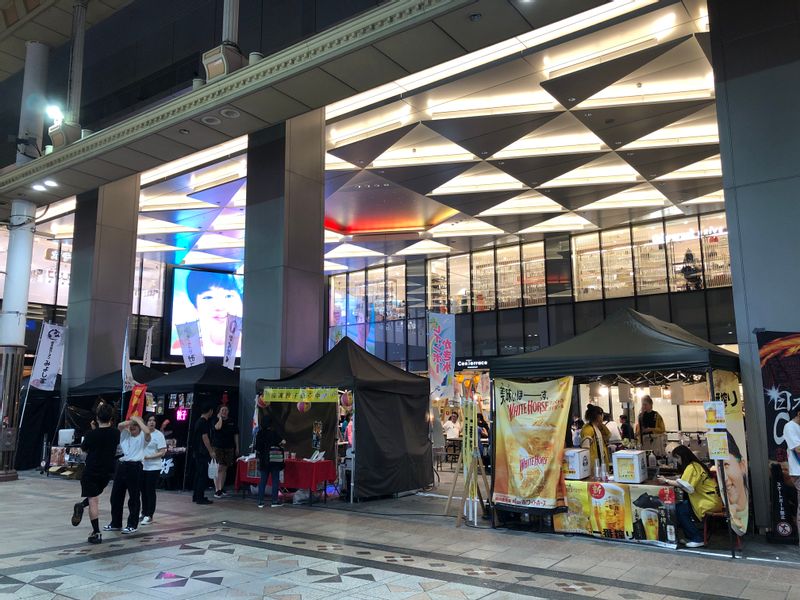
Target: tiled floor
400, 548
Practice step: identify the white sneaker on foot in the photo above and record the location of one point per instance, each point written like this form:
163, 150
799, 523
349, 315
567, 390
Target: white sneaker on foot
695, 544
145, 521
129, 530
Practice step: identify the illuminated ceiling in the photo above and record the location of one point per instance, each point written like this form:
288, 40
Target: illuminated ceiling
612, 127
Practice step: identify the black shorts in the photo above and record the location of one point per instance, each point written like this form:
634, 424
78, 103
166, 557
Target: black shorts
93, 484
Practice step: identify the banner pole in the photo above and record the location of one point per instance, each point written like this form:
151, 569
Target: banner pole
721, 468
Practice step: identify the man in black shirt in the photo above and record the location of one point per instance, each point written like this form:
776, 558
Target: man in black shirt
225, 442
203, 453
100, 445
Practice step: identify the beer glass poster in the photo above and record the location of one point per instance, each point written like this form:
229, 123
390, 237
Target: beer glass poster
531, 421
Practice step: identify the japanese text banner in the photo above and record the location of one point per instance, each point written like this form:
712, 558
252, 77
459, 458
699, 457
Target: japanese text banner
531, 419
300, 395
441, 354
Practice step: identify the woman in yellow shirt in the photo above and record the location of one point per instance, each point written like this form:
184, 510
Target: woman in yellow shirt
703, 495
595, 436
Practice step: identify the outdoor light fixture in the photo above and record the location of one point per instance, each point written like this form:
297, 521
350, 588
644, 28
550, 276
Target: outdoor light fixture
50, 183
54, 113
39, 188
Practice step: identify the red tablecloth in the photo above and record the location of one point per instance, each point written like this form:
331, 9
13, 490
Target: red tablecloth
297, 474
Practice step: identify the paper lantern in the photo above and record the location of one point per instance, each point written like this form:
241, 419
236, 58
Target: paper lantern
303, 406
260, 402
346, 400
459, 377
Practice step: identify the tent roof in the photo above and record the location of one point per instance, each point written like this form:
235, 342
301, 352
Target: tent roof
206, 376
111, 383
626, 342
348, 365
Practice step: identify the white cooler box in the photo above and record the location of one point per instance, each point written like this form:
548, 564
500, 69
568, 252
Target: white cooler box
576, 463
630, 466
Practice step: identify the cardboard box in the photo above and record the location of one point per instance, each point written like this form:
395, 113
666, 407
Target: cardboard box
630, 466
576, 463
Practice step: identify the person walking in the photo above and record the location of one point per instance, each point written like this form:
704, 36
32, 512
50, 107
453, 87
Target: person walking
133, 438
203, 453
225, 441
151, 469
270, 454
100, 445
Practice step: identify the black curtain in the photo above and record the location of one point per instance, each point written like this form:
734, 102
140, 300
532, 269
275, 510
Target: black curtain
393, 449
40, 421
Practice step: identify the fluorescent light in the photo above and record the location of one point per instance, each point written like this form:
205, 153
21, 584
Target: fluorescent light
213, 177
498, 104
203, 258
351, 251
424, 247
170, 202
56, 209
181, 165
209, 241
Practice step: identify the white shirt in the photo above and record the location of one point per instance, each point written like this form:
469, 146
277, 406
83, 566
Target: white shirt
613, 429
791, 433
132, 447
157, 442
452, 431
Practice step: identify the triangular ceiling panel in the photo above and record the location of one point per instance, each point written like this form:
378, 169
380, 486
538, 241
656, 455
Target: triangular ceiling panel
704, 40
219, 195
612, 217
527, 203
655, 162
573, 88
516, 223
681, 190
620, 125
576, 196
485, 135
423, 178
199, 218
422, 146
363, 152
472, 204
482, 177
535, 170
336, 179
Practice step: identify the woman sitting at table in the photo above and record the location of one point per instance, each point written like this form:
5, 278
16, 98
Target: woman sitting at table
702, 491
595, 436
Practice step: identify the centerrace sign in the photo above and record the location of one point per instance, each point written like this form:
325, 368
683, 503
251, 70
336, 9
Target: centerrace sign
472, 363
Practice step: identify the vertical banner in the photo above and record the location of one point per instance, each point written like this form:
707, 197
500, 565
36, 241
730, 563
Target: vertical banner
127, 375
49, 356
147, 359
780, 374
138, 397
189, 337
726, 390
233, 331
530, 424
441, 353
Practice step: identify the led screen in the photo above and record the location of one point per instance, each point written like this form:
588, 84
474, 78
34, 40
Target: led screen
206, 297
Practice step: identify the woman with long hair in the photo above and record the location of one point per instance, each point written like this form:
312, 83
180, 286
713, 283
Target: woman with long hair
700, 487
151, 469
595, 436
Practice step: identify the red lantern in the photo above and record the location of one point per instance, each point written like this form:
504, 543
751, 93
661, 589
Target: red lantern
303, 406
346, 400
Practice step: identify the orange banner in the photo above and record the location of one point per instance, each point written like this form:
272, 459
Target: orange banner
136, 405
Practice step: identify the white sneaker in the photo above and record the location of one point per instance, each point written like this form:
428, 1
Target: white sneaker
261, 505
129, 530
145, 521
690, 544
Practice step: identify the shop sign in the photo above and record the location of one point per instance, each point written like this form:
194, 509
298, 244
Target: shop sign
530, 420
304, 395
715, 414
717, 445
472, 363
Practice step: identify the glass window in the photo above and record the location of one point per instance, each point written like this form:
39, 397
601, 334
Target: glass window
459, 283
356, 297
586, 267
464, 335
376, 295
137, 270
561, 323
689, 312
44, 263
3, 257
534, 288
337, 307
588, 315
558, 268
396, 341
152, 287
64, 273
509, 327
508, 278
716, 256
721, 318
415, 288
617, 266
683, 253
376, 339
485, 333
335, 335
656, 305
358, 333
535, 328
396, 292
437, 285
483, 280
417, 340
650, 266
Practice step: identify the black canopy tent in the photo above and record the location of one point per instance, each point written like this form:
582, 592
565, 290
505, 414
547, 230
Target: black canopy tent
393, 447
626, 342
111, 383
40, 418
206, 384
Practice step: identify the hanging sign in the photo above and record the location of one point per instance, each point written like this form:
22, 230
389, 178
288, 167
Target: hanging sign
726, 390
298, 395
49, 356
147, 359
136, 405
717, 445
127, 375
715, 414
531, 420
233, 331
441, 353
189, 337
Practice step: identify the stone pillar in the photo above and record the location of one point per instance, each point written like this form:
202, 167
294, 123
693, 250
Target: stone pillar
756, 58
22, 225
34, 103
101, 281
283, 277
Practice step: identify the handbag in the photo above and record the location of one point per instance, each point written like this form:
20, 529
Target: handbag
213, 469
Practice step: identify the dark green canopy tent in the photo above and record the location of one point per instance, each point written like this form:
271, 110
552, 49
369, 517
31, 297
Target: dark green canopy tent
626, 342
111, 383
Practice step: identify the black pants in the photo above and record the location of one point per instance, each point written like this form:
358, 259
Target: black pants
149, 482
126, 479
200, 477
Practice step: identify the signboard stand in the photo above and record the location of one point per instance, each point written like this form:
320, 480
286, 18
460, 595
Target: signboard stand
474, 467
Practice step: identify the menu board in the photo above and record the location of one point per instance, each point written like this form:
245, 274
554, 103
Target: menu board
643, 514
